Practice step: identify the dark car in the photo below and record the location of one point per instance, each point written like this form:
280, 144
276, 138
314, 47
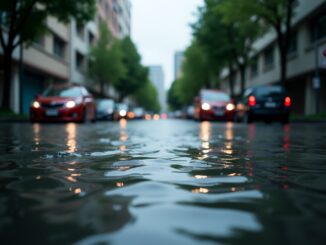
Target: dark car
105, 109
266, 103
121, 111
63, 103
214, 105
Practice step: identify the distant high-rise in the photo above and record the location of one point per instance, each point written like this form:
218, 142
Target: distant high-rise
178, 59
156, 75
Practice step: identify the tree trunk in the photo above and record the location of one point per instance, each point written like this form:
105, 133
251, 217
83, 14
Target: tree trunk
121, 97
7, 78
283, 63
243, 78
231, 80
102, 88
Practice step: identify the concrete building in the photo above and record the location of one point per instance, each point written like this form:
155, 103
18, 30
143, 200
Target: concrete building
306, 52
156, 76
117, 15
178, 59
81, 39
61, 54
46, 61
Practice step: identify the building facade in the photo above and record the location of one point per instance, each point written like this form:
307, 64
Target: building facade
156, 76
61, 55
306, 75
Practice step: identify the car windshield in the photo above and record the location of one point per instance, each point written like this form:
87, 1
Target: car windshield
104, 104
122, 107
211, 96
265, 92
66, 92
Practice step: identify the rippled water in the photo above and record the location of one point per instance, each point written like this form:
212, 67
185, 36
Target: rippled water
162, 182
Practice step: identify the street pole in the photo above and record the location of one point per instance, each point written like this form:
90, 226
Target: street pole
21, 76
317, 75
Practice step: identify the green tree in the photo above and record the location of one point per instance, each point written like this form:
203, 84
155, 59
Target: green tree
22, 21
107, 66
147, 97
274, 13
136, 74
226, 42
196, 74
173, 97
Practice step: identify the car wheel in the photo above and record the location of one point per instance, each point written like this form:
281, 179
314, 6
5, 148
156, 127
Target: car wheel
248, 118
85, 119
285, 120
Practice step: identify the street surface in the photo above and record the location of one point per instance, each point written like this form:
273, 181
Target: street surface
162, 182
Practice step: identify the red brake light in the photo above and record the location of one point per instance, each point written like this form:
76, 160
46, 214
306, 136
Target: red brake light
252, 101
287, 101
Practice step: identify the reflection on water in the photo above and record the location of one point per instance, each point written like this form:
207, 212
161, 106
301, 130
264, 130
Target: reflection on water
37, 139
205, 135
71, 130
162, 182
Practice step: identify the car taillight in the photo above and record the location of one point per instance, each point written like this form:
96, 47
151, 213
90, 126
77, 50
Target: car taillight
287, 101
252, 101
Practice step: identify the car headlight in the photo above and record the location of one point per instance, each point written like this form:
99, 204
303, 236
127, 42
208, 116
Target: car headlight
230, 107
71, 104
36, 104
123, 113
206, 106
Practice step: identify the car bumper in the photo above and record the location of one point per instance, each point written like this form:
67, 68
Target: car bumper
59, 115
213, 116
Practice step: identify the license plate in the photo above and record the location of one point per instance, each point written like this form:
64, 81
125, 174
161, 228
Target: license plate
219, 113
52, 113
270, 104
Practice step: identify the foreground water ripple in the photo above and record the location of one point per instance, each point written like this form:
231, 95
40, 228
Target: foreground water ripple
162, 182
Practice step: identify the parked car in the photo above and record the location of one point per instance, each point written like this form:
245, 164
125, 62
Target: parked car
105, 109
139, 113
214, 105
63, 103
190, 110
267, 103
121, 111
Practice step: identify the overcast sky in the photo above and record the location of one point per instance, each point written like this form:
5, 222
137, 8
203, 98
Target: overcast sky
161, 27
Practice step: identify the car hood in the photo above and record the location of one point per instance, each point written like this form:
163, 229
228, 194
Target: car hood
56, 99
216, 103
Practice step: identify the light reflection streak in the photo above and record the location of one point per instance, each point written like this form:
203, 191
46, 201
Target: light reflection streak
200, 190
201, 177
120, 184
71, 130
37, 138
286, 137
205, 135
229, 136
123, 134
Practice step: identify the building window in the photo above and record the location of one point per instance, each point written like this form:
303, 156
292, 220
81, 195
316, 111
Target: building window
80, 62
58, 47
269, 58
318, 28
91, 38
253, 68
80, 31
293, 45
39, 41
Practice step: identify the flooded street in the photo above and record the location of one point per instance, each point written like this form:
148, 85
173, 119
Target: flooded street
162, 182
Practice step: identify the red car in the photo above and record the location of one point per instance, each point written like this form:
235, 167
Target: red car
68, 103
214, 105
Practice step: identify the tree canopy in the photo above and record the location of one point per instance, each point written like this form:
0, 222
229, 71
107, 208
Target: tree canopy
106, 56
147, 97
136, 74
